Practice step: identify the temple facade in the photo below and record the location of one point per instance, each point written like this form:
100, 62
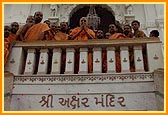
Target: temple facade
151, 16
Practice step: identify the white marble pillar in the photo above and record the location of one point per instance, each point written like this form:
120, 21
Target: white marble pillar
160, 22
111, 60
30, 62
83, 61
138, 59
70, 59
15, 61
155, 56
97, 60
56, 61
124, 55
43, 62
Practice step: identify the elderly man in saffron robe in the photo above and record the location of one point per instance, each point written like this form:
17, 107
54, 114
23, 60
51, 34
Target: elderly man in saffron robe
83, 33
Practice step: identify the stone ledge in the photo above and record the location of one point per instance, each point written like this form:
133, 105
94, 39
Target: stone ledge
83, 78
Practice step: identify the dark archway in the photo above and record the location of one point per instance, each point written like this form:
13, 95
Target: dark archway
106, 17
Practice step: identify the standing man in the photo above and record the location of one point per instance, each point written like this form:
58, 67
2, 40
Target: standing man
140, 34
47, 22
128, 31
154, 33
7, 30
14, 29
35, 31
62, 34
99, 34
137, 33
113, 30
30, 21
49, 34
83, 33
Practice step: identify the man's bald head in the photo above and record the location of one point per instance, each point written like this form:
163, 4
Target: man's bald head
38, 16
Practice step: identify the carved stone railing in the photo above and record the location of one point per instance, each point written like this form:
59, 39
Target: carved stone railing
39, 82
59, 57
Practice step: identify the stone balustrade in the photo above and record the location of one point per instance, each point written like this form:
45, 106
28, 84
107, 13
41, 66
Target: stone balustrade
54, 75
72, 57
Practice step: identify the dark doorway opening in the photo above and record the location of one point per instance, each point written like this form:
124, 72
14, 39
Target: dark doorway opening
106, 17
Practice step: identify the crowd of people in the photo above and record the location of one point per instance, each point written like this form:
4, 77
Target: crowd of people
34, 30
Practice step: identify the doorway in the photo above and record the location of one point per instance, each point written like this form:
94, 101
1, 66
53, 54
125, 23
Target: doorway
103, 11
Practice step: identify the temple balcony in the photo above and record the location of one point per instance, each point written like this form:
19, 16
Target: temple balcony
54, 75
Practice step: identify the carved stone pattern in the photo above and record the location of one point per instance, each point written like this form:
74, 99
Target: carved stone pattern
12, 61
65, 12
119, 15
120, 77
83, 61
139, 59
156, 57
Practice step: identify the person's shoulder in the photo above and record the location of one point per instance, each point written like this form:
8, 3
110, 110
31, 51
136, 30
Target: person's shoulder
75, 29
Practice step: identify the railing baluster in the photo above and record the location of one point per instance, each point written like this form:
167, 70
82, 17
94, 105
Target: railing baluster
43, 62
97, 60
132, 55
83, 61
111, 60
56, 61
124, 56
15, 61
155, 56
70, 56
138, 58
30, 62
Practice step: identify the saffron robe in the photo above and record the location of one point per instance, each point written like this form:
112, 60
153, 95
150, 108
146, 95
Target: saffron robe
35, 31
117, 53
60, 36
83, 36
6, 50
